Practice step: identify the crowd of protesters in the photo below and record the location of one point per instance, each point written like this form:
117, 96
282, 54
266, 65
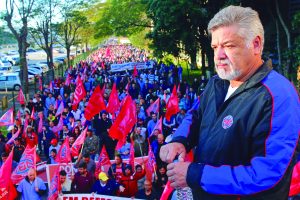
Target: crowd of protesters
145, 88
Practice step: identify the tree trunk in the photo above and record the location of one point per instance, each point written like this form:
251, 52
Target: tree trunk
279, 67
288, 37
203, 62
68, 55
193, 56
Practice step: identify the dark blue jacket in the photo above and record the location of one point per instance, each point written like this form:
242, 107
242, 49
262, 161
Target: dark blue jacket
246, 146
109, 189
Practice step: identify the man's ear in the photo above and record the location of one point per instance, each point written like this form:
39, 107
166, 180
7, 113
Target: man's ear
257, 45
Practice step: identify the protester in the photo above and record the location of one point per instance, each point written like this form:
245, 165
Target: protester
117, 169
4, 156
106, 186
129, 181
91, 144
148, 192
18, 149
90, 163
83, 180
31, 187
52, 157
246, 129
65, 182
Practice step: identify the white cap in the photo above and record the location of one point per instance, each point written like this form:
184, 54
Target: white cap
11, 127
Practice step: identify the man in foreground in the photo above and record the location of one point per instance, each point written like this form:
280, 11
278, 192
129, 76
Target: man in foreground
247, 126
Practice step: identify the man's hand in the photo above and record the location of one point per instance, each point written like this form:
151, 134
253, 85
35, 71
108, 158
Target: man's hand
168, 152
121, 188
177, 173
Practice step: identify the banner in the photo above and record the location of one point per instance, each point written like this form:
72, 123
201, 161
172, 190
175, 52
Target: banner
131, 65
89, 197
70, 169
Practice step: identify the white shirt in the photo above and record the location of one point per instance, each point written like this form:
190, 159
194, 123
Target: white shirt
230, 91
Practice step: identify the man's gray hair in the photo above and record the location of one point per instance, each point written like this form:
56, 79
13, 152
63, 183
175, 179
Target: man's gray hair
246, 18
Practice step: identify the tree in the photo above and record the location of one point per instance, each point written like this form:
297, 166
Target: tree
42, 33
23, 10
180, 27
69, 28
122, 18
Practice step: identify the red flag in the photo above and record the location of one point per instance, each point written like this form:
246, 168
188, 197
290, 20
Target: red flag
151, 164
79, 93
124, 122
103, 161
95, 104
60, 109
131, 154
135, 72
59, 126
32, 116
64, 153
40, 127
172, 105
27, 161
40, 84
167, 191
113, 102
78, 142
154, 107
158, 126
5, 171
55, 186
12, 139
7, 189
295, 184
21, 97
8, 118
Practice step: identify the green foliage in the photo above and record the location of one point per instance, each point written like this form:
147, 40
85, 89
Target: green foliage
122, 18
296, 49
6, 37
139, 39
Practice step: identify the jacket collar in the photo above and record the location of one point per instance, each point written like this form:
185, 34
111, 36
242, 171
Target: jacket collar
256, 78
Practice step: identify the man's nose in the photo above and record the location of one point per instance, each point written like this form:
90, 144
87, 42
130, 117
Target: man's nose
220, 53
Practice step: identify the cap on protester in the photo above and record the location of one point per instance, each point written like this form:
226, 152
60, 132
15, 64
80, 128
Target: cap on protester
53, 142
103, 112
102, 176
11, 127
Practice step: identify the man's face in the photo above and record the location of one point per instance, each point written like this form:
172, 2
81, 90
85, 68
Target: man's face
160, 138
31, 175
86, 160
62, 179
232, 56
52, 154
104, 116
148, 186
3, 159
81, 171
162, 170
127, 172
153, 116
71, 140
118, 160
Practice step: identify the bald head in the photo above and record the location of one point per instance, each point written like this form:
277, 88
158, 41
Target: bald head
31, 174
147, 185
160, 138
